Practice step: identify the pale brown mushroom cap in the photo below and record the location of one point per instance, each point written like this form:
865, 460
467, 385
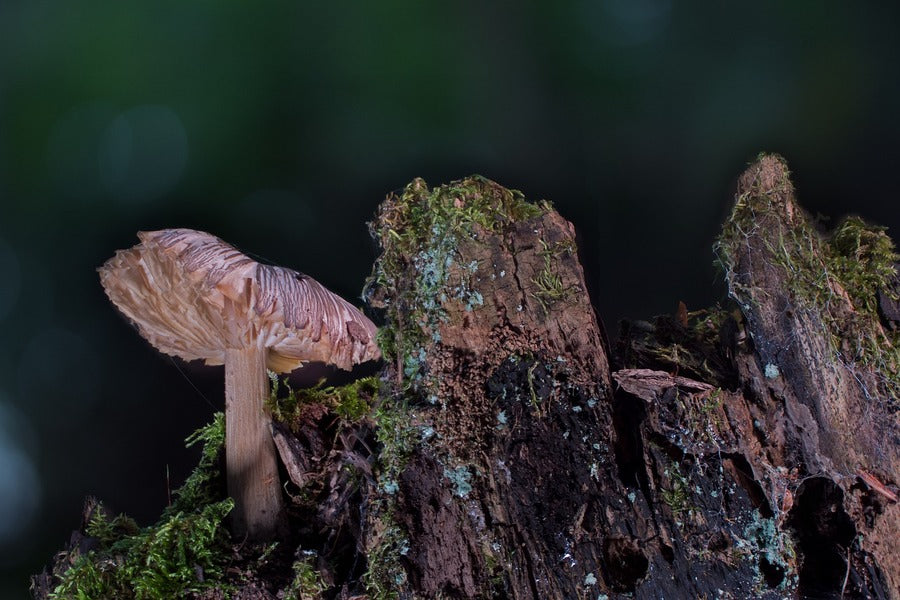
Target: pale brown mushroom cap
192, 295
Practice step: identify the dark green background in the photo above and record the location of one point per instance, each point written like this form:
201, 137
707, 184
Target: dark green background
281, 126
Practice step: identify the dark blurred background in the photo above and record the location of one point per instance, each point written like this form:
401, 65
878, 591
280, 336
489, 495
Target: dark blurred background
280, 127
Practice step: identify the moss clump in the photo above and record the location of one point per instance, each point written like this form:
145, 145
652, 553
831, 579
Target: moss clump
182, 553
863, 258
205, 483
385, 577
307, 583
396, 437
419, 271
351, 402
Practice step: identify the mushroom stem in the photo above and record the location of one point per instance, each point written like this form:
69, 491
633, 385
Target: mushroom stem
252, 470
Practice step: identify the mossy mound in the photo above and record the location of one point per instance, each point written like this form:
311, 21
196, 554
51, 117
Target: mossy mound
188, 553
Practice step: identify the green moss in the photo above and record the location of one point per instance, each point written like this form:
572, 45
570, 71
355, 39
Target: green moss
677, 493
863, 258
108, 530
396, 437
419, 271
204, 484
184, 552
856, 259
548, 284
307, 583
385, 577
351, 402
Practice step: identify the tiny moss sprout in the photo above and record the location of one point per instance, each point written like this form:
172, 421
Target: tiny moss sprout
677, 494
550, 288
307, 583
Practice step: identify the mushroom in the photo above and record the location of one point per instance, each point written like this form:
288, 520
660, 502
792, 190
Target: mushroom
194, 296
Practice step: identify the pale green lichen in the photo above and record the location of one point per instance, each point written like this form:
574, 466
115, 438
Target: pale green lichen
762, 542
461, 479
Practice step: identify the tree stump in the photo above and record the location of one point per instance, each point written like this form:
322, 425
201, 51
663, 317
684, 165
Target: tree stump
735, 453
740, 451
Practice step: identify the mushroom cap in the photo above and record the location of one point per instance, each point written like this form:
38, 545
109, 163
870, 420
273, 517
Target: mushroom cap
193, 295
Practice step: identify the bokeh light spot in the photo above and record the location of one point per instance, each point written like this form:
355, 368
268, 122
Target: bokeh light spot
280, 212
72, 152
143, 153
20, 490
59, 377
9, 291
627, 22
